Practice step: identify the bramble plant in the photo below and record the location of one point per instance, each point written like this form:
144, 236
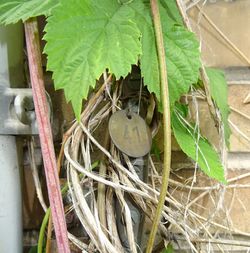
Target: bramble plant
86, 37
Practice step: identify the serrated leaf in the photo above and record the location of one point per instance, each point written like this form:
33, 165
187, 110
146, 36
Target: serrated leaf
196, 148
13, 11
219, 93
182, 53
148, 60
183, 61
85, 38
172, 10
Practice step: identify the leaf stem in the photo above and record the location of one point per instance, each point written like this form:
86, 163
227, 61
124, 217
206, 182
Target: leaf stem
166, 121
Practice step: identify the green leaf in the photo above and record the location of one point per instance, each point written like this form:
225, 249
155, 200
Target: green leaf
219, 93
172, 10
183, 61
182, 53
155, 150
198, 149
182, 108
13, 11
85, 38
33, 249
169, 249
148, 59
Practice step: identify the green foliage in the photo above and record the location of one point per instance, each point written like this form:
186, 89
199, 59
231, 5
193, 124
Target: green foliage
14, 10
169, 249
183, 61
85, 38
182, 52
155, 150
114, 36
197, 147
33, 249
172, 11
219, 93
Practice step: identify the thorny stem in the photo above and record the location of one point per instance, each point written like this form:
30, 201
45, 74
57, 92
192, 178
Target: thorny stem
45, 133
166, 121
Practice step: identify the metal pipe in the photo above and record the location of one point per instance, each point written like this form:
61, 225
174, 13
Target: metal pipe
10, 197
11, 75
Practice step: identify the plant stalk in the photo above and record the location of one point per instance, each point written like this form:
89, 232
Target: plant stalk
166, 121
45, 133
42, 231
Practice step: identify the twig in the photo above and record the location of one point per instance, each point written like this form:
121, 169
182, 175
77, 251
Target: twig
78, 243
35, 175
238, 82
90, 221
239, 132
101, 201
48, 152
221, 241
240, 112
242, 176
166, 121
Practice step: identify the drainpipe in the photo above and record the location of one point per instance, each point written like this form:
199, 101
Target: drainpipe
11, 76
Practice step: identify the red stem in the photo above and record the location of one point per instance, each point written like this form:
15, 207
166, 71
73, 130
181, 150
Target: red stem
45, 134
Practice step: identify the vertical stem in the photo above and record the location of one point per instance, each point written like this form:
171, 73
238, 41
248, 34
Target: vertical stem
42, 231
45, 134
166, 121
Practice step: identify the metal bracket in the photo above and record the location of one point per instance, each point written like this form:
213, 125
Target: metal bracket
17, 113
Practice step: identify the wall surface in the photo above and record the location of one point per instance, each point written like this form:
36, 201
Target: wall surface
232, 18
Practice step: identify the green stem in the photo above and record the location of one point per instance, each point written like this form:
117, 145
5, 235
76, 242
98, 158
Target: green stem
42, 231
166, 121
